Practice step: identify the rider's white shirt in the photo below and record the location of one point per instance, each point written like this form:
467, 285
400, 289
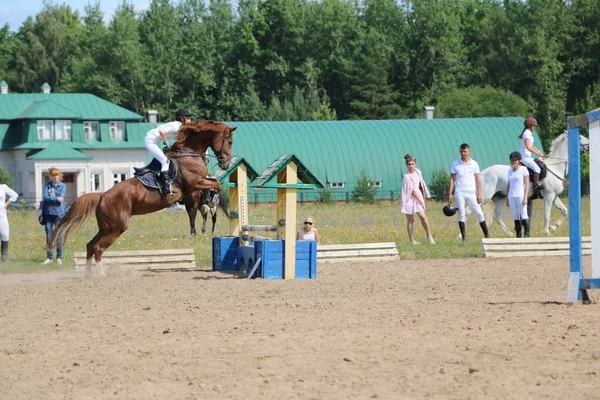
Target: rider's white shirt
464, 180
170, 129
527, 134
515, 179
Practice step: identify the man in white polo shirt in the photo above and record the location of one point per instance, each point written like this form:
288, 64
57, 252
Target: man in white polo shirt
466, 184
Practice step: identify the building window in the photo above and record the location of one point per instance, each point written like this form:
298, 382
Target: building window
95, 182
117, 130
45, 130
91, 130
119, 178
337, 185
54, 130
62, 130
378, 184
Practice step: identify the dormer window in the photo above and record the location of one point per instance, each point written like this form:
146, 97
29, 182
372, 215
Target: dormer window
54, 130
117, 130
62, 130
45, 130
91, 130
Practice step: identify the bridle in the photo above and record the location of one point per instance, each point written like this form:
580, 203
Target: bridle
220, 155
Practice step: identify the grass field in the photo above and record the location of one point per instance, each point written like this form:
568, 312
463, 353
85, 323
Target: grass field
337, 223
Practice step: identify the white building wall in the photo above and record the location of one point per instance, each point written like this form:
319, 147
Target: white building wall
30, 175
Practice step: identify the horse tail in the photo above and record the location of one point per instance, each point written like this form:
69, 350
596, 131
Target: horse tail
224, 204
78, 213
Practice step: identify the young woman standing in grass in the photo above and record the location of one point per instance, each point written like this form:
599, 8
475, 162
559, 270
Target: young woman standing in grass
414, 193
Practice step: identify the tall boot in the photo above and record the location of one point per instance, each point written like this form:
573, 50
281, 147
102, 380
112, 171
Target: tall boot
484, 229
461, 226
4, 251
536, 179
526, 227
166, 183
518, 227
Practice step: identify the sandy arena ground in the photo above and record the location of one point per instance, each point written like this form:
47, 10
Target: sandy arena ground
431, 329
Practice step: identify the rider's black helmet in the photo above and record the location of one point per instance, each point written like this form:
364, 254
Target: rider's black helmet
449, 210
515, 155
182, 113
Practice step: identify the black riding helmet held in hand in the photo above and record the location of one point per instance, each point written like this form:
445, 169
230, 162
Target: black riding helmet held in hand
182, 113
449, 210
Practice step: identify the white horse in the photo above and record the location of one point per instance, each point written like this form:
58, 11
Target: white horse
494, 182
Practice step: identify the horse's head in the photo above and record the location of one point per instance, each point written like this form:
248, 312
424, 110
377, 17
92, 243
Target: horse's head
222, 144
204, 134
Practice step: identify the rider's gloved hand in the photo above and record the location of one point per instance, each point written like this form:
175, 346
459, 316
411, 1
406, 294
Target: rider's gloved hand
166, 149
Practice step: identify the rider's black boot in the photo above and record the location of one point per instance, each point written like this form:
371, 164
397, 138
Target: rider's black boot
518, 227
526, 227
165, 183
4, 251
484, 229
536, 181
461, 226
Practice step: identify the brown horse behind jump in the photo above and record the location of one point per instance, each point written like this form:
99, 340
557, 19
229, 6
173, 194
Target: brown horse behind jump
115, 207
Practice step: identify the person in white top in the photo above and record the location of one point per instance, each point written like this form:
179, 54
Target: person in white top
466, 185
309, 232
165, 132
4, 226
518, 190
527, 147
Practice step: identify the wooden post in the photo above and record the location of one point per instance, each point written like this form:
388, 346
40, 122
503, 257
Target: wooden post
238, 200
286, 213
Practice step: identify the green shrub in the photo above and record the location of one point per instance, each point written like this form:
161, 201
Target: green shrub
326, 195
364, 191
5, 178
440, 179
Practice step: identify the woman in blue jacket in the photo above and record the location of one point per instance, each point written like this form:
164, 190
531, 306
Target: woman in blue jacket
54, 209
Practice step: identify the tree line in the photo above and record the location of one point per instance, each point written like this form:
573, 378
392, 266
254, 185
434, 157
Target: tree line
317, 60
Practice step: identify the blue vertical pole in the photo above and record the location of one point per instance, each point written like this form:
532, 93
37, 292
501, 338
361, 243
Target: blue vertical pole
575, 276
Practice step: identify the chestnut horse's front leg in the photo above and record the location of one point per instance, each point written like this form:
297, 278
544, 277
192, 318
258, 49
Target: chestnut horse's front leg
191, 206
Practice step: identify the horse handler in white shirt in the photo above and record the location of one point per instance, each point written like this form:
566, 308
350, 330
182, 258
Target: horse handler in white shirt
4, 226
518, 191
466, 185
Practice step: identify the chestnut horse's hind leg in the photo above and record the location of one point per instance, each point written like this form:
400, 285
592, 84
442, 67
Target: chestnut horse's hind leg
104, 242
90, 253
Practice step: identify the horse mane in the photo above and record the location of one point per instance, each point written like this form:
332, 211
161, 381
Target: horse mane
204, 125
555, 142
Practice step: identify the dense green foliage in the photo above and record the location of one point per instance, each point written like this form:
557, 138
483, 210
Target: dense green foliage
327, 59
5, 178
364, 191
440, 181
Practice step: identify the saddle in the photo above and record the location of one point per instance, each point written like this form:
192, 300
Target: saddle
543, 170
149, 175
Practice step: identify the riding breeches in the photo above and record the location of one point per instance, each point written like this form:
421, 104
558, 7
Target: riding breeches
530, 163
4, 229
471, 199
517, 209
156, 151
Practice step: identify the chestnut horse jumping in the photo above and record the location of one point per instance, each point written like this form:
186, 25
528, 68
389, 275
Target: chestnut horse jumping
115, 207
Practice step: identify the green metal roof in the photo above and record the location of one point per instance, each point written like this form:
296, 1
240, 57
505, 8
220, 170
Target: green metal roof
85, 106
223, 175
57, 151
47, 110
336, 151
306, 178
